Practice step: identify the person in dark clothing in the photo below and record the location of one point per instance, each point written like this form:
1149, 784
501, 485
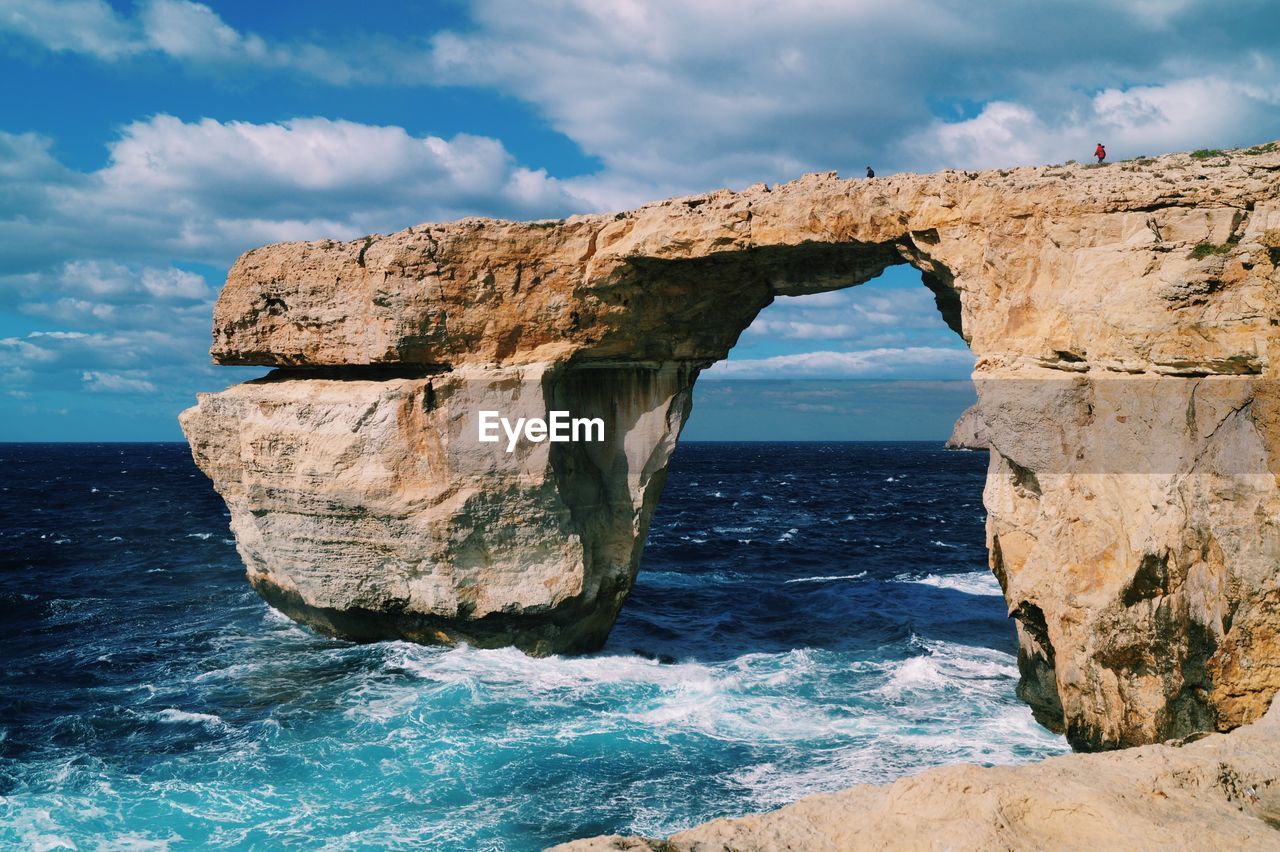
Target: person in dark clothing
1100, 152
870, 172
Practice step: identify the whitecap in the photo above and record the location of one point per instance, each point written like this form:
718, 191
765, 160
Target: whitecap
857, 576
948, 665
173, 715
971, 582
201, 536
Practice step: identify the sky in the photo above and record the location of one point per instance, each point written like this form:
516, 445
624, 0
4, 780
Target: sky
145, 145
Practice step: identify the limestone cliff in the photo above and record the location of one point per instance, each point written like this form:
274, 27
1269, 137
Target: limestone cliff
1123, 319
1217, 793
970, 431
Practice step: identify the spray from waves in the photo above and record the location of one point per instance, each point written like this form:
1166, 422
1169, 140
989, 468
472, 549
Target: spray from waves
946, 703
972, 582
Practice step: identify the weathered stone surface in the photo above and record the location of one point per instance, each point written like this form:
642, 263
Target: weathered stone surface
970, 431
367, 508
1220, 792
1124, 323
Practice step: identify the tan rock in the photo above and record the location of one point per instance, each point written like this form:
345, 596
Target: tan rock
1123, 319
969, 432
368, 508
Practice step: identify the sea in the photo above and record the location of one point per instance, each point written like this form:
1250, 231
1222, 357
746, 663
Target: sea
808, 616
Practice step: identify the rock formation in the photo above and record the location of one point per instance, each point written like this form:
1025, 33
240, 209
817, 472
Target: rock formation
1123, 319
1219, 793
970, 431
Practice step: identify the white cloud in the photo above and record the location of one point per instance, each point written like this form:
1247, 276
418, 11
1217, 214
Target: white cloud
1142, 120
103, 252
106, 278
869, 315
69, 310
187, 30
681, 96
116, 383
936, 362
16, 353
184, 31
208, 190
78, 26
106, 294
163, 361
174, 284
674, 96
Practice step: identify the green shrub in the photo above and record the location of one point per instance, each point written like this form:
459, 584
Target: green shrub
1206, 249
1269, 148
1206, 153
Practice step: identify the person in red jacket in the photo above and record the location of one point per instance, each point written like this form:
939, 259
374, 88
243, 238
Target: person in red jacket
1100, 152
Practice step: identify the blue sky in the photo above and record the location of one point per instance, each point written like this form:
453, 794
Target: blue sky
144, 145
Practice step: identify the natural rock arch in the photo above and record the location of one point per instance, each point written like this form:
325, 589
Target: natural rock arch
1123, 373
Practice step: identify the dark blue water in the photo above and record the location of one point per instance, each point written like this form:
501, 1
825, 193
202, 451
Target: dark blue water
824, 612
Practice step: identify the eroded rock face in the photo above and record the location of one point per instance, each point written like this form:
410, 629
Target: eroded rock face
367, 507
1124, 322
969, 431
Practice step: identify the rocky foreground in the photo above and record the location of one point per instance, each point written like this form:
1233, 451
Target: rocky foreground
1124, 320
1220, 792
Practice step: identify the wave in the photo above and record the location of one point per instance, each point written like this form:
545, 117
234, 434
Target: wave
174, 715
857, 576
971, 582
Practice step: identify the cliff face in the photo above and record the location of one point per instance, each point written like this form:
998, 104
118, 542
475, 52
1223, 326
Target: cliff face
1123, 320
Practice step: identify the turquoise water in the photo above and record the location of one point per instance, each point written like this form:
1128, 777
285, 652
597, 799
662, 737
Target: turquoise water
809, 617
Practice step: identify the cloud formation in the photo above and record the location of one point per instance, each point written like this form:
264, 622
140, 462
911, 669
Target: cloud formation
110, 253
903, 362
207, 190
1142, 120
674, 96
689, 95
871, 315
185, 31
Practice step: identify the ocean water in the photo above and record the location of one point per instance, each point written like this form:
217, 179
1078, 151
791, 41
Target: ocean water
809, 616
